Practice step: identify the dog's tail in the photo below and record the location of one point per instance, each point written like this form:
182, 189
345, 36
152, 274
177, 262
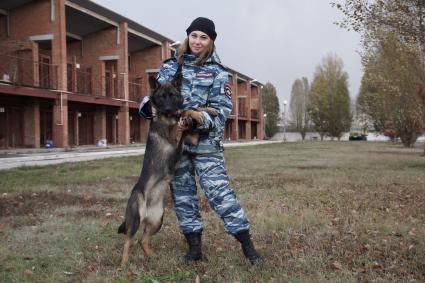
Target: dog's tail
132, 216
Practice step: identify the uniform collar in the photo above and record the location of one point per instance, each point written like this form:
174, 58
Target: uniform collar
214, 57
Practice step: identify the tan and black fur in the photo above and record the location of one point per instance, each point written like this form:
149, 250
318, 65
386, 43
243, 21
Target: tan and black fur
163, 150
192, 137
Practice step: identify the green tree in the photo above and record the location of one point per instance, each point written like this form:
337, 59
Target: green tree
270, 108
372, 103
404, 18
298, 105
329, 101
393, 37
394, 72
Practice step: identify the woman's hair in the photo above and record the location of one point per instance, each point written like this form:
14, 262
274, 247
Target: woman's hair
202, 58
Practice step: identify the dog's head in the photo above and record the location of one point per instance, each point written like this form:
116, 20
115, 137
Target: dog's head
166, 98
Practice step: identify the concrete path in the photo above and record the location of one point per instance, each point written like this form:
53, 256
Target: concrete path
40, 157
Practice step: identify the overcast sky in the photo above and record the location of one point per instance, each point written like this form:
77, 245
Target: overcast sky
273, 41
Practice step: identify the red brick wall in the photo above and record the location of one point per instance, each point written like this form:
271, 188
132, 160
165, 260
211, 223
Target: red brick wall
3, 27
149, 58
73, 49
102, 43
8, 46
31, 19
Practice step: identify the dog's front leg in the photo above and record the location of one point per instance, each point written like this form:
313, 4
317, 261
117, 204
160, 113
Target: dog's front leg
126, 250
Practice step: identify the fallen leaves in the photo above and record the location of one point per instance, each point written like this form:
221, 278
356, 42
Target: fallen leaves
337, 265
376, 265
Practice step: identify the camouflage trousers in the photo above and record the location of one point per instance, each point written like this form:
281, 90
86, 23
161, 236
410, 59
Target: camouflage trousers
211, 172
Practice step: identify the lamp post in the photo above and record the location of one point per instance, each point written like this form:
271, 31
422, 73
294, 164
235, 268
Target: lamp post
284, 119
264, 125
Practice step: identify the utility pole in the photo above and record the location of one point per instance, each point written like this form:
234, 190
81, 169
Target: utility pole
284, 119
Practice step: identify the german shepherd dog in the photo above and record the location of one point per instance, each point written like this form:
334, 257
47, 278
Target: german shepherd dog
163, 150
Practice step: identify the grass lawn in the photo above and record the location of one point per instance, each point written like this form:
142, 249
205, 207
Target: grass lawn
320, 212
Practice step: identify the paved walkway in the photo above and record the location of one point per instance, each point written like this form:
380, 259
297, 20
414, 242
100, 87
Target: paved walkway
40, 157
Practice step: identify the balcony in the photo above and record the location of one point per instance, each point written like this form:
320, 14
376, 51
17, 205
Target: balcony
242, 107
255, 106
81, 80
21, 71
135, 88
25, 72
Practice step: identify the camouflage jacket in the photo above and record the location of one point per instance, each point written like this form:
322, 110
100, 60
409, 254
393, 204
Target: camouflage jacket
202, 86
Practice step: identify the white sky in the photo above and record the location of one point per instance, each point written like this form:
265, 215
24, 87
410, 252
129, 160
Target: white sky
273, 41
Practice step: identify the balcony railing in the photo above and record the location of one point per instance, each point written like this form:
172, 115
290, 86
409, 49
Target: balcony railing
242, 112
25, 72
83, 81
135, 88
79, 81
242, 109
254, 114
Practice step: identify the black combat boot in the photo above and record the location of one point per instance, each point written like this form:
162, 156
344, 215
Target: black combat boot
195, 245
248, 247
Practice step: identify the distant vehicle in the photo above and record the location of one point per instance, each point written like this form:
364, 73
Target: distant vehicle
358, 133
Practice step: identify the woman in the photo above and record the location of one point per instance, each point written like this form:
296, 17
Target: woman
205, 83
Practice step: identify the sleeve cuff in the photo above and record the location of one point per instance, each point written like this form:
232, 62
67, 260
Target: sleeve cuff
145, 109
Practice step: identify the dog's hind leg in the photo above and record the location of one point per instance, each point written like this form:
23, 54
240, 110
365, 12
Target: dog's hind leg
152, 224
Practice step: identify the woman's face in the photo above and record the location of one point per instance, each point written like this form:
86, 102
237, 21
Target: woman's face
198, 41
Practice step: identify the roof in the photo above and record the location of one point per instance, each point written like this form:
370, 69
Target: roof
119, 18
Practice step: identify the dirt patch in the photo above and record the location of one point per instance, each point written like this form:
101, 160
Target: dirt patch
268, 181
33, 203
312, 167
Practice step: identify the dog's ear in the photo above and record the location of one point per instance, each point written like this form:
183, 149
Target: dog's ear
177, 81
153, 83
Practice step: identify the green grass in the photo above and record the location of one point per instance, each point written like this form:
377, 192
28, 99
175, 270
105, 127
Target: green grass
320, 212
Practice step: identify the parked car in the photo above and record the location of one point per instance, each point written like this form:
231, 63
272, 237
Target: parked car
358, 133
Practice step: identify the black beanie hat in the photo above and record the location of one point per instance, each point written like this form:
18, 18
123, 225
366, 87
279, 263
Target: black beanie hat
204, 25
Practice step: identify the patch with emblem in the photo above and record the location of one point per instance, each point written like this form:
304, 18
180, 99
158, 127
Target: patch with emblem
204, 75
228, 90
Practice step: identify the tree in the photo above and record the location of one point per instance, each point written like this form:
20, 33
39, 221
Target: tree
391, 28
404, 18
393, 71
329, 100
372, 103
270, 108
298, 105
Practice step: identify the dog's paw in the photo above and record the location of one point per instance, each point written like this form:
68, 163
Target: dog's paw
197, 116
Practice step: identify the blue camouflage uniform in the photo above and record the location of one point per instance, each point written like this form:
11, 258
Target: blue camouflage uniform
205, 85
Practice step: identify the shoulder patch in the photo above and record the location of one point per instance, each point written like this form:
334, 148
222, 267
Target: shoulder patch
228, 90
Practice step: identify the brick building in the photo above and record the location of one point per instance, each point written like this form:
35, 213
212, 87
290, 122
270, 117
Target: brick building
73, 72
